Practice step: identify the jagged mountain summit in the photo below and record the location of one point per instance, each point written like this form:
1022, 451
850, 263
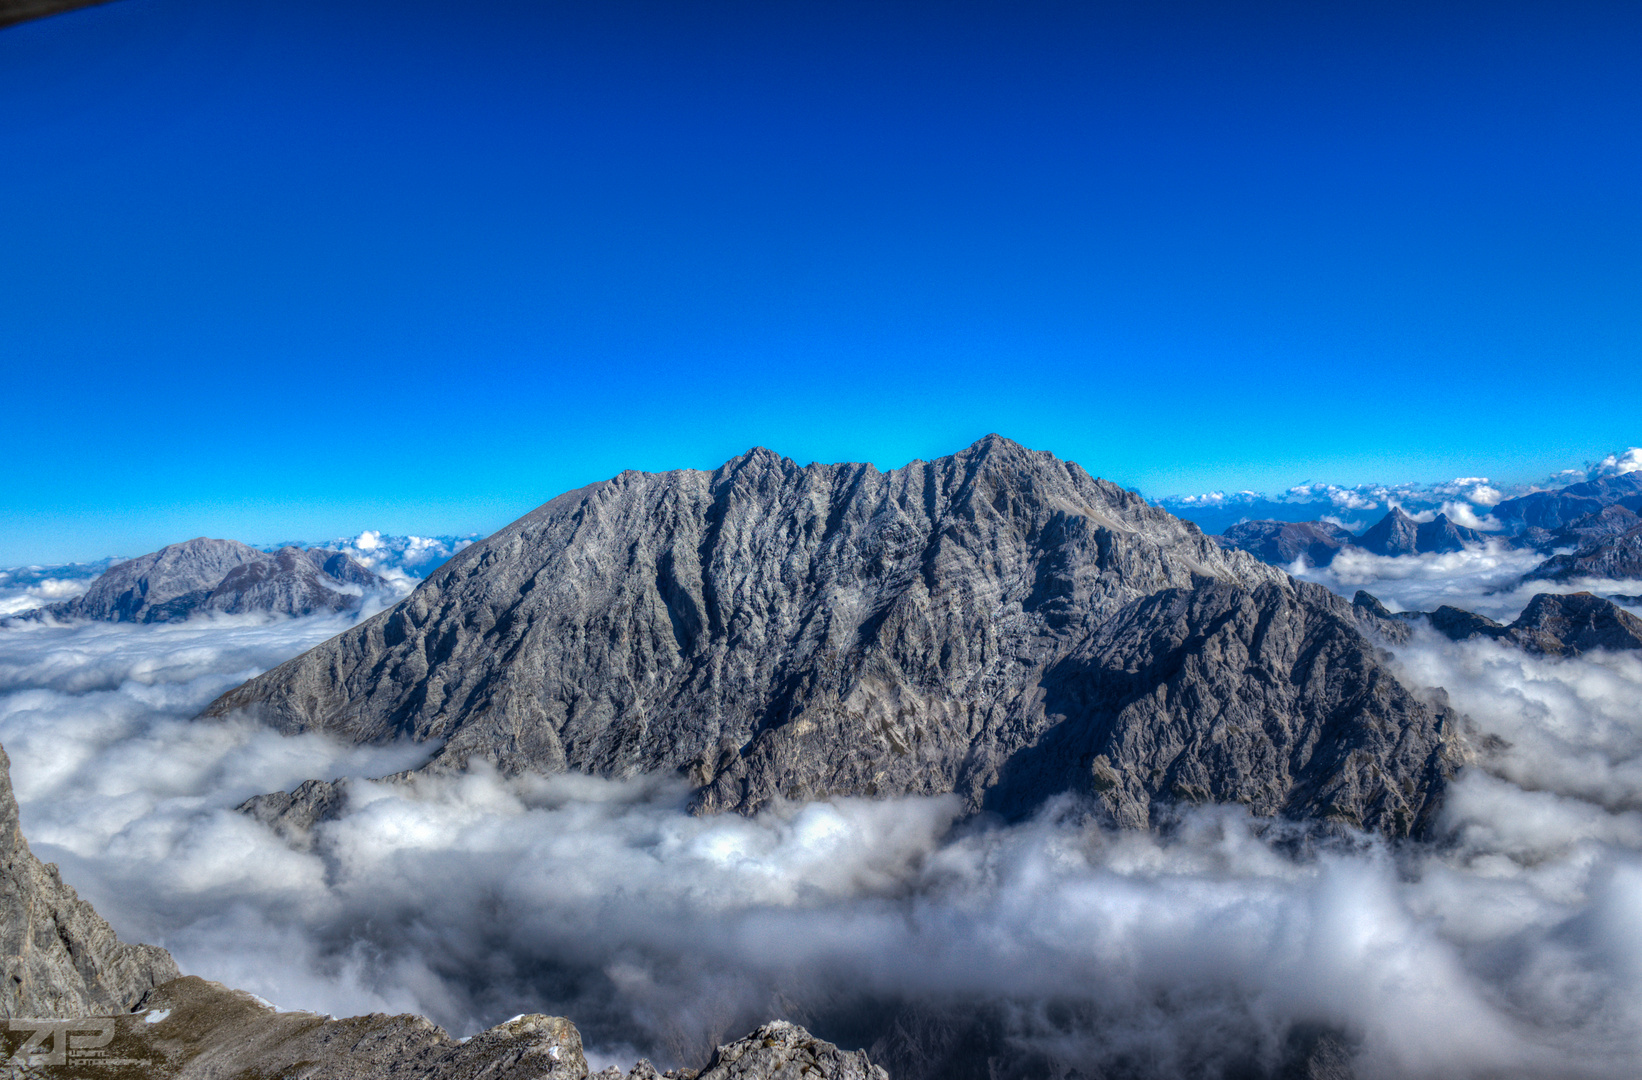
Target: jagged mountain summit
224, 576
778, 631
1551, 624
1399, 534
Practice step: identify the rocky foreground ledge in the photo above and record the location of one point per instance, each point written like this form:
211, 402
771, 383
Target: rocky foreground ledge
79, 1004
191, 1029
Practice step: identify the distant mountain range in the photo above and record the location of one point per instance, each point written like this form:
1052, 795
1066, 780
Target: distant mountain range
374, 562
1594, 525
1359, 506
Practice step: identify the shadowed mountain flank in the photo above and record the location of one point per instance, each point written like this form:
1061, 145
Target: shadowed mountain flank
780, 631
1218, 694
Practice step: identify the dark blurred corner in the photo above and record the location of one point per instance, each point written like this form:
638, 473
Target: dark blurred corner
16, 11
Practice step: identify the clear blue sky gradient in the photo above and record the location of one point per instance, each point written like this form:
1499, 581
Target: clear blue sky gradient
294, 269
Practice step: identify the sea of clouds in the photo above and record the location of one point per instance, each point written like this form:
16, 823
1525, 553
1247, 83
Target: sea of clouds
1508, 945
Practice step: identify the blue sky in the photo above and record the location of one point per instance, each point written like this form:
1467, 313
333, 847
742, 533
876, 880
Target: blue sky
296, 269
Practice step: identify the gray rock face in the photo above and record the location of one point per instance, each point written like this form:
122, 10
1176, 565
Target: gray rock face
1457, 624
1282, 542
58, 958
1552, 625
190, 1029
779, 631
226, 576
1380, 620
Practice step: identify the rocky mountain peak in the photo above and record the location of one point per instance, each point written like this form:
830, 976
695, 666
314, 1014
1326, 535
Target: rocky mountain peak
776, 631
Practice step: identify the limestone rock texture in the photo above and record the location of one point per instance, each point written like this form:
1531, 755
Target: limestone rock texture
225, 576
293, 814
191, 1029
58, 957
778, 631
779, 1050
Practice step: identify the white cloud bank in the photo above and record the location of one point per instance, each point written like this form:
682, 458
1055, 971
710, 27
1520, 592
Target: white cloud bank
1512, 946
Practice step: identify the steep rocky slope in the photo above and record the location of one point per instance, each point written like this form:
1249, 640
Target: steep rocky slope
1265, 698
779, 631
57, 956
224, 576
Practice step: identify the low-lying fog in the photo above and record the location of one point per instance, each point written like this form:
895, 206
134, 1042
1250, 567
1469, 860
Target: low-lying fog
1510, 945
